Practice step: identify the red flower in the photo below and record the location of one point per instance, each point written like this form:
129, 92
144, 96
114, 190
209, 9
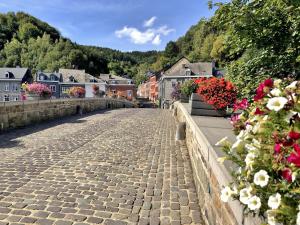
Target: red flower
268, 83
287, 174
295, 156
294, 135
277, 148
259, 92
259, 112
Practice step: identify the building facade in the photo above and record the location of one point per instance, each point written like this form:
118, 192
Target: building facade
52, 80
119, 86
11, 80
181, 71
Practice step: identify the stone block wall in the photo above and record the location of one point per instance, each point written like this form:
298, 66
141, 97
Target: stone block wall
19, 114
210, 176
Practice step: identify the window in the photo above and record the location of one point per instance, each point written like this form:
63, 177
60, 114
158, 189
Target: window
7, 75
188, 72
6, 98
6, 87
42, 77
129, 93
16, 98
114, 91
15, 87
52, 77
53, 88
64, 89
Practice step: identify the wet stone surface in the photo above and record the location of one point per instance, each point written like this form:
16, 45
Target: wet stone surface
114, 167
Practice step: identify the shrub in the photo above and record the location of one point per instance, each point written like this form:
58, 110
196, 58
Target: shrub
188, 87
267, 152
216, 91
37, 88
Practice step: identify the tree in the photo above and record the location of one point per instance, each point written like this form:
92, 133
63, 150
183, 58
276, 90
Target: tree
12, 53
171, 50
28, 30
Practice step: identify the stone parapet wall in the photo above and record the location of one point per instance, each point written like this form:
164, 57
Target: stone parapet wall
19, 114
210, 176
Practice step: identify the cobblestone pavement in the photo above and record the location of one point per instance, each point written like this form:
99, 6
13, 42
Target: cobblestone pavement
115, 167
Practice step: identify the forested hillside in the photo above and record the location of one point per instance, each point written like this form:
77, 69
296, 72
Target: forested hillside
253, 40
28, 42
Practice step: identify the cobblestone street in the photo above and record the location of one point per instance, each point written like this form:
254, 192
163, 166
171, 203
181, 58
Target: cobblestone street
113, 167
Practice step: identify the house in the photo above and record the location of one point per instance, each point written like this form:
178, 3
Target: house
11, 80
182, 70
52, 80
119, 86
71, 78
150, 88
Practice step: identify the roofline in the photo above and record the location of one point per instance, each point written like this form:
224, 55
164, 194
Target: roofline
10, 79
195, 76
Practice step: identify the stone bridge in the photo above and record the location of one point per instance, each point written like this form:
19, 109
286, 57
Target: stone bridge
110, 167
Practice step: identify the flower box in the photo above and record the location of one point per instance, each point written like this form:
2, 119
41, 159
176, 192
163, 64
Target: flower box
198, 107
184, 98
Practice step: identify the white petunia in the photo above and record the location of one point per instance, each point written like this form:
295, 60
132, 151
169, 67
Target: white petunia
298, 219
250, 157
249, 127
276, 103
261, 178
226, 194
222, 142
256, 143
276, 92
289, 116
240, 135
271, 217
265, 118
292, 86
245, 195
274, 201
237, 145
254, 203
256, 128
251, 148
277, 82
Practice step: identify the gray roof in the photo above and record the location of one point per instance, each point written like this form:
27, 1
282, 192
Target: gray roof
18, 73
201, 68
80, 76
113, 79
48, 75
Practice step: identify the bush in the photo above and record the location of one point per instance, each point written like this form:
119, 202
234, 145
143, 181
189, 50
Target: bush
77, 92
267, 151
37, 88
216, 91
188, 88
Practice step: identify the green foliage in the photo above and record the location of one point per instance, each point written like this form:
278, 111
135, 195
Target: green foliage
28, 42
188, 87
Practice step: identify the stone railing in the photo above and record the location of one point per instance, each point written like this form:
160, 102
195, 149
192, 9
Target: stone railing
209, 175
19, 114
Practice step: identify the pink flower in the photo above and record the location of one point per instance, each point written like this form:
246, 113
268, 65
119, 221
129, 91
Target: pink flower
277, 148
269, 83
234, 119
287, 174
295, 156
243, 104
294, 135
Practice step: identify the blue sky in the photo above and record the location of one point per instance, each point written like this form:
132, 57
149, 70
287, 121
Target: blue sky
127, 25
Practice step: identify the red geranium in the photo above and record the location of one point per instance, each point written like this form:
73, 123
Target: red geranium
217, 92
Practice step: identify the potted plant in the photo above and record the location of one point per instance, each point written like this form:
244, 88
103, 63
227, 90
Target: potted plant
213, 96
77, 92
267, 152
187, 89
36, 91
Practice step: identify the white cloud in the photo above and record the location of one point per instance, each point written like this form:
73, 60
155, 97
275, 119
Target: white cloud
150, 22
136, 36
150, 35
156, 40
